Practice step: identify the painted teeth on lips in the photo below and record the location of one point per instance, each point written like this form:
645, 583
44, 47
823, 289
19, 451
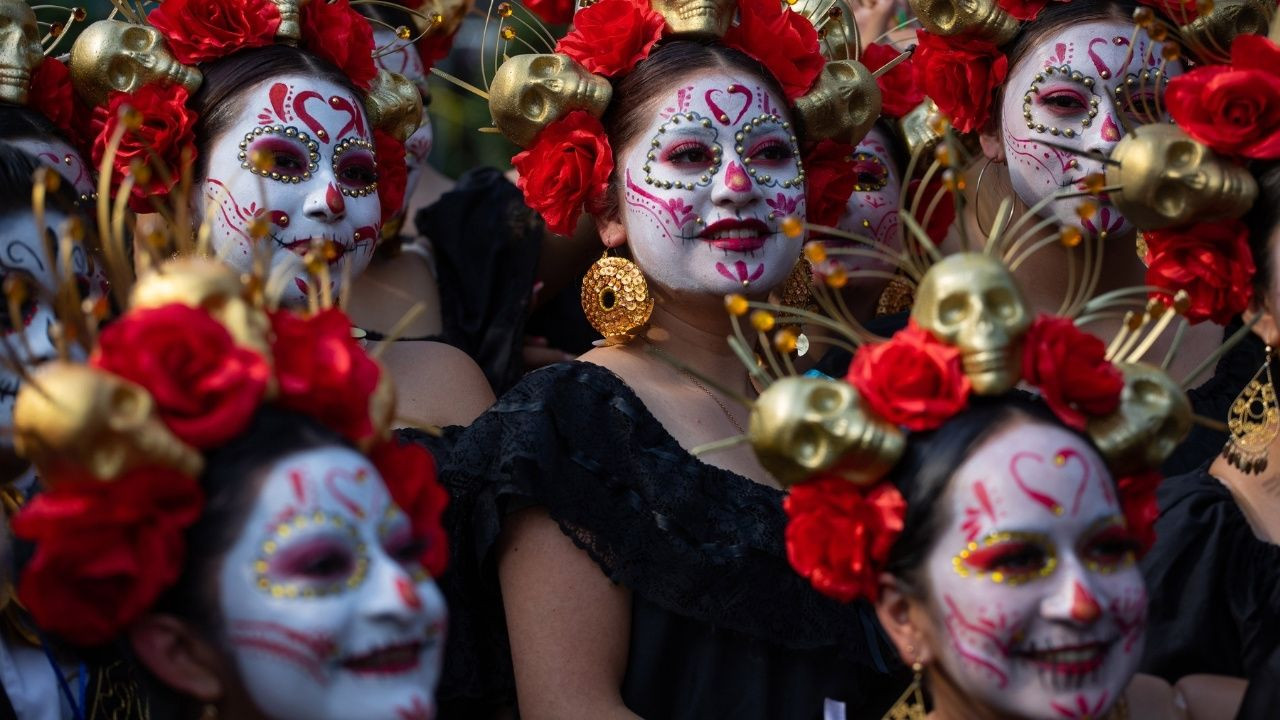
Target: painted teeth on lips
736, 235
1069, 660
394, 660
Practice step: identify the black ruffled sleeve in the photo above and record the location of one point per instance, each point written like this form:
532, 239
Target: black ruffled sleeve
1214, 586
694, 544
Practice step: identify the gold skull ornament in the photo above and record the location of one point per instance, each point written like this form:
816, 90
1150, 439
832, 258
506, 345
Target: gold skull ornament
706, 18
20, 51
971, 300
977, 18
1153, 418
842, 105
1167, 178
114, 55
394, 104
290, 29
529, 92
917, 132
1214, 31
73, 419
442, 17
804, 425
212, 286
834, 18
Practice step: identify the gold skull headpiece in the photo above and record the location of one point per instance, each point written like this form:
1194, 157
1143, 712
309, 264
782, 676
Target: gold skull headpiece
24, 45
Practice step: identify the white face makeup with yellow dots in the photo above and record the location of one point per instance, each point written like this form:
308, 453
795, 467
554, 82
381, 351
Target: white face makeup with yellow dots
328, 613
1037, 605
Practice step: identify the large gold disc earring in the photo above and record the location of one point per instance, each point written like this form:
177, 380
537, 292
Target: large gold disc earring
616, 299
1254, 422
910, 705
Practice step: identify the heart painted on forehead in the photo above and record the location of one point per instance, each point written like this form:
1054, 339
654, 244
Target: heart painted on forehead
300, 109
356, 477
747, 97
1045, 481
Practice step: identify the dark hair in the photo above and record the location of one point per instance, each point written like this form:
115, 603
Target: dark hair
1263, 220
22, 123
17, 170
393, 16
220, 100
931, 459
668, 62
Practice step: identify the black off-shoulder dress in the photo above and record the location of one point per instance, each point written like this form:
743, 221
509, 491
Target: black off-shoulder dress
721, 626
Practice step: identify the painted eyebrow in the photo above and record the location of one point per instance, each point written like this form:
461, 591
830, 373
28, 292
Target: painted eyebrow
687, 131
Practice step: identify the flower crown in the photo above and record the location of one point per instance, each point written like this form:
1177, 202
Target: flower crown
568, 160
119, 441
139, 73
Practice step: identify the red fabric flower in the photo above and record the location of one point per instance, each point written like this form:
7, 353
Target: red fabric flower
393, 173
1234, 109
1211, 261
434, 47
104, 551
166, 135
567, 167
410, 474
961, 76
611, 36
1138, 502
839, 534
323, 372
332, 30
899, 92
552, 12
51, 95
1022, 9
782, 40
1070, 368
206, 387
829, 181
197, 31
911, 380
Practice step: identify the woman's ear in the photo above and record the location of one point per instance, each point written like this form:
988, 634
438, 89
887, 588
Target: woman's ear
1265, 326
992, 145
178, 656
901, 620
611, 231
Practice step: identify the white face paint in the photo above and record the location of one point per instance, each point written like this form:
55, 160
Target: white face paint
29, 336
872, 209
328, 612
1067, 83
404, 60
707, 185
63, 158
1036, 600
323, 184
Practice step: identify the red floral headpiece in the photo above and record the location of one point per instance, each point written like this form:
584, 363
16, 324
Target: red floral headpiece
110, 539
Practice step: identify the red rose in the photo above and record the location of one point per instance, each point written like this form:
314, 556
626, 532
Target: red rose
1233, 109
166, 135
960, 75
780, 39
410, 474
1138, 502
829, 181
898, 89
1070, 368
51, 95
434, 47
567, 167
611, 36
1022, 9
206, 387
912, 380
1211, 261
323, 372
839, 534
104, 551
333, 31
197, 31
553, 12
393, 173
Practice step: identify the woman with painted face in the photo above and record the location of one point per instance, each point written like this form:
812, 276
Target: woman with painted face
293, 138
679, 603
256, 535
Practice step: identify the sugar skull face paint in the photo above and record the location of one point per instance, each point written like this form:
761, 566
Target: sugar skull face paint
1036, 601
29, 335
707, 185
1068, 90
403, 59
323, 182
327, 612
63, 158
872, 209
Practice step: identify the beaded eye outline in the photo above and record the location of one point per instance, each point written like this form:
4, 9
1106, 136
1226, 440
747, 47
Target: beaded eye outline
1126, 94
960, 563
716, 149
346, 146
765, 180
1065, 72
292, 590
287, 131
882, 172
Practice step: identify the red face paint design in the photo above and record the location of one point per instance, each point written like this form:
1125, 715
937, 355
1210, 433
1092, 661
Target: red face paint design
736, 179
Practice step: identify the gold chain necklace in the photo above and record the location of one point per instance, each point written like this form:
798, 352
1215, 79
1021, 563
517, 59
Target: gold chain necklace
698, 384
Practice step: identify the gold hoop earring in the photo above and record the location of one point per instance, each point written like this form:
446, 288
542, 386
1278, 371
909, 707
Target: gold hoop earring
1254, 422
977, 193
910, 705
616, 299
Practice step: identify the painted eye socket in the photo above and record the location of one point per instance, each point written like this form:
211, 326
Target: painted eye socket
321, 560
870, 172
1140, 106
1010, 558
1064, 102
357, 169
1110, 548
771, 151
288, 158
689, 152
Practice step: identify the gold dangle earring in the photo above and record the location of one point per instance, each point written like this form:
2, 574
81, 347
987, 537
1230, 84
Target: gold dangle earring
910, 706
1254, 422
616, 299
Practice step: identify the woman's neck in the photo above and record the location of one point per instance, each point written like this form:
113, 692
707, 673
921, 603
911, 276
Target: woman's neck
694, 331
